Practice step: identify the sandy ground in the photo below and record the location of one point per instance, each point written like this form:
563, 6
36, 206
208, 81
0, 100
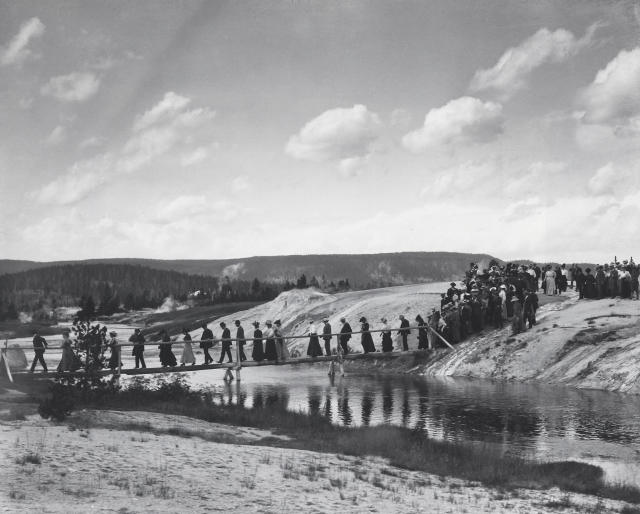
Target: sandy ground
112, 470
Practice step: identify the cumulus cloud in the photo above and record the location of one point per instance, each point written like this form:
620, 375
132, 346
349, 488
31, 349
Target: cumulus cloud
603, 180
464, 120
17, 51
511, 73
336, 135
613, 98
154, 134
74, 87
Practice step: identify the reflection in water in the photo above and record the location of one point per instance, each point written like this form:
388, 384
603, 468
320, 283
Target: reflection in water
538, 421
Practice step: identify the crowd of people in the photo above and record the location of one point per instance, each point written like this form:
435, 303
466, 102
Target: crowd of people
486, 298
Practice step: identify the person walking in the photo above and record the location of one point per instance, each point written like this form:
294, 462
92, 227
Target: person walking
187, 356
39, 347
387, 342
167, 357
257, 354
225, 339
68, 356
423, 333
366, 340
313, 350
114, 347
138, 348
345, 335
326, 335
240, 340
270, 352
206, 342
404, 332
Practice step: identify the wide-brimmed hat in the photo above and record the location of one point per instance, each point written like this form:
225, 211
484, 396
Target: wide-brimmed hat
362, 319
113, 333
256, 323
268, 322
277, 322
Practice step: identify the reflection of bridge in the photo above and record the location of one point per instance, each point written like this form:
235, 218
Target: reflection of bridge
24, 375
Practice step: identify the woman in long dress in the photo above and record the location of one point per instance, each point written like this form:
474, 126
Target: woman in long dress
167, 358
550, 281
281, 344
423, 333
68, 357
187, 356
366, 340
114, 358
313, 350
387, 342
258, 351
270, 351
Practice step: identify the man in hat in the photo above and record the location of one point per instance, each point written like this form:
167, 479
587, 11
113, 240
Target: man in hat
326, 335
452, 291
206, 342
39, 346
226, 343
345, 335
138, 348
240, 340
404, 332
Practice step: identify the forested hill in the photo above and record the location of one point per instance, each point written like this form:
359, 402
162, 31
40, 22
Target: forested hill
362, 270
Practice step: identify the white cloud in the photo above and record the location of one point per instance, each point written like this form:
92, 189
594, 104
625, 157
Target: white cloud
74, 87
511, 73
155, 133
458, 181
167, 108
463, 120
602, 182
336, 135
538, 176
195, 156
613, 98
240, 184
58, 135
17, 50
81, 179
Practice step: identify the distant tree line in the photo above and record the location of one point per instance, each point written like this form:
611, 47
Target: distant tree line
103, 289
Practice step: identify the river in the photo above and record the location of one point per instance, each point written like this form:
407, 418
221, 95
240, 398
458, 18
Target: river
536, 421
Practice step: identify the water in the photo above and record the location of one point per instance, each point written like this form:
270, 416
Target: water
535, 421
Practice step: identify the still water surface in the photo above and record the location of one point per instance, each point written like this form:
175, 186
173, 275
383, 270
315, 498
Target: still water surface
536, 421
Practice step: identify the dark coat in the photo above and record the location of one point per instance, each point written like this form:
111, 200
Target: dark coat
345, 333
206, 340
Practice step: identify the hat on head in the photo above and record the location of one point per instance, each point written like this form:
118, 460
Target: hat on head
342, 320
384, 320
325, 320
256, 323
277, 322
362, 319
113, 333
502, 286
268, 322
452, 284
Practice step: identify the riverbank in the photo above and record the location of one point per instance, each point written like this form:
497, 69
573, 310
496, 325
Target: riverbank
135, 461
590, 344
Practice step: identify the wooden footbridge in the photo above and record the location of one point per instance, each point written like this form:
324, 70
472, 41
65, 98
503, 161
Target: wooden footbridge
334, 360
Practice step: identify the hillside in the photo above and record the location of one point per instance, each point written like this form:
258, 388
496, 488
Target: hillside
362, 270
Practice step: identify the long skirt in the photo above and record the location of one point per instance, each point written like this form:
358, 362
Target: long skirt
68, 359
257, 354
187, 354
283, 351
114, 358
551, 285
270, 351
314, 349
387, 342
423, 339
167, 358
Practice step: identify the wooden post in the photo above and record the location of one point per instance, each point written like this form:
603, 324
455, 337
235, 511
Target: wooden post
119, 349
3, 358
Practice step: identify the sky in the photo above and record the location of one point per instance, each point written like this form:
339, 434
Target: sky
213, 129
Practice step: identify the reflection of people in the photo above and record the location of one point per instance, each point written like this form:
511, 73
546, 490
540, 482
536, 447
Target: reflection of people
187, 350
39, 346
138, 348
68, 357
206, 342
367, 406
